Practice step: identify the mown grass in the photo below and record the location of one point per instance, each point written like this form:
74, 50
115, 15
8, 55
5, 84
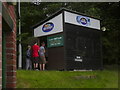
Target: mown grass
108, 78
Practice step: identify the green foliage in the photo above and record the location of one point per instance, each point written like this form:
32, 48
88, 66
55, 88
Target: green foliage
110, 19
26, 40
21, 36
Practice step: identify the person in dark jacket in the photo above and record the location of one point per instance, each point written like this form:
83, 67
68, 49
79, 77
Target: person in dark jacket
28, 58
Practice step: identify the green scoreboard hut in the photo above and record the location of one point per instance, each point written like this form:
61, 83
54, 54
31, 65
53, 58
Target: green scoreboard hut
73, 41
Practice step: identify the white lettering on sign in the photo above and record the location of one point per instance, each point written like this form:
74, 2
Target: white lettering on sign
78, 58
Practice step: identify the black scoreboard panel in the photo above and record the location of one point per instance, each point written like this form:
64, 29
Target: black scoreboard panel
83, 43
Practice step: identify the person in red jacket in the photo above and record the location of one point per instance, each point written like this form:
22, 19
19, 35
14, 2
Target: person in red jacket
35, 55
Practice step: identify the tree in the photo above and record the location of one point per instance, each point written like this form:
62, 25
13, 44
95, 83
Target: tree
110, 19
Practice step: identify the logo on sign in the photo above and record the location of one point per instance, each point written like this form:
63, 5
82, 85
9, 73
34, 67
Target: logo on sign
47, 27
83, 20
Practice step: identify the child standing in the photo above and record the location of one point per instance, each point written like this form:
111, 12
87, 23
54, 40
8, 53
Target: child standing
28, 58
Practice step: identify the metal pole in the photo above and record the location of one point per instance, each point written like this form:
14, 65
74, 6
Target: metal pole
20, 47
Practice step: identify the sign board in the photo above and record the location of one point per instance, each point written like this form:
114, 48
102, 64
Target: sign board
81, 20
78, 58
55, 41
54, 25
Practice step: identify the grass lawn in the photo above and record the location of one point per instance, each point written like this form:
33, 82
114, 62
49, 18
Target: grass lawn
108, 78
